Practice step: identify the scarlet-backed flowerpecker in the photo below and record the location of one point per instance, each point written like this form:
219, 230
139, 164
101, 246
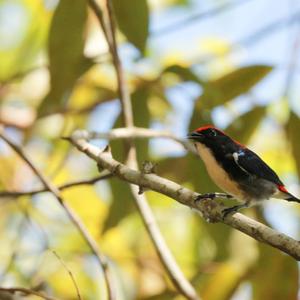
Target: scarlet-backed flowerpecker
237, 170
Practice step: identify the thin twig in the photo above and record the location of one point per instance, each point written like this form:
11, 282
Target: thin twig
103, 262
211, 210
25, 291
104, 175
70, 273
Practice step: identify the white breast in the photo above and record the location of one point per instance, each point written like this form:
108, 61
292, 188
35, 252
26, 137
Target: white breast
218, 175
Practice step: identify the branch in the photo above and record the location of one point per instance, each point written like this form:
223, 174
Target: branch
210, 210
137, 133
25, 292
103, 262
102, 176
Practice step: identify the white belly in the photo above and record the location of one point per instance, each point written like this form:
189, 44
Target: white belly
218, 175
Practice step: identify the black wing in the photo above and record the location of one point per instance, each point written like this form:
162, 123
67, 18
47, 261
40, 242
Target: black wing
251, 163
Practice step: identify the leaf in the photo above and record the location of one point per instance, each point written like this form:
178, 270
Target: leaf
65, 50
133, 21
244, 126
231, 85
292, 129
275, 275
184, 73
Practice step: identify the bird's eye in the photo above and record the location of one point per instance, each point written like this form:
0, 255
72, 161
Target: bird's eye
213, 132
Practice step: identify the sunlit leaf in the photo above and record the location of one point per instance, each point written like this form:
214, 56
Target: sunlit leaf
133, 20
185, 73
293, 129
65, 49
231, 85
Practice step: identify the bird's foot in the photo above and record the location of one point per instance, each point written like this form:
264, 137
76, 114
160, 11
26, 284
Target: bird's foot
232, 209
223, 195
212, 196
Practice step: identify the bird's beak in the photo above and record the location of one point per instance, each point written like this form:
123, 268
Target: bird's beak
196, 136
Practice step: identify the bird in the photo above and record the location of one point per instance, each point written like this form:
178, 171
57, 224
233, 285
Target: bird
236, 170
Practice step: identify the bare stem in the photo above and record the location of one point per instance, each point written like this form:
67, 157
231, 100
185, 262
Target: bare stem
137, 133
104, 175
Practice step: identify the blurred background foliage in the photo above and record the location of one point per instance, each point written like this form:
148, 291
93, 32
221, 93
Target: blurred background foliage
188, 63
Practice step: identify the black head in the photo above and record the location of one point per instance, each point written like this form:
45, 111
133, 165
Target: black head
213, 138
206, 134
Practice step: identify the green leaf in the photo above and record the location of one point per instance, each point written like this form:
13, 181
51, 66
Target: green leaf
184, 73
65, 49
231, 85
292, 130
242, 128
133, 21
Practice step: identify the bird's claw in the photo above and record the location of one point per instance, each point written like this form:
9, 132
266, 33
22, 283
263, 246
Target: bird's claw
233, 209
210, 196
229, 210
